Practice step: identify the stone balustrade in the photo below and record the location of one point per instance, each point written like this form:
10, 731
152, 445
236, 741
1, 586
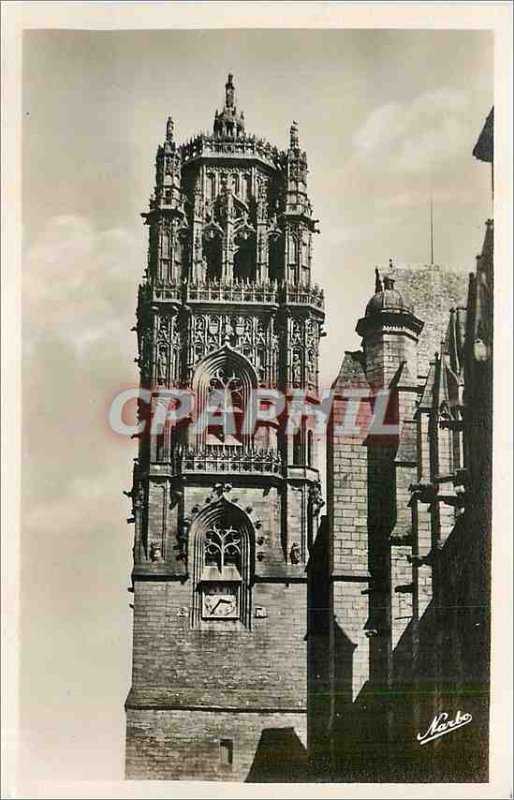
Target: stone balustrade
245, 147
267, 292
227, 459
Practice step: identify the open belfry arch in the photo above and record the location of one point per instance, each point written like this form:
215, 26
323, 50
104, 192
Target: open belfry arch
224, 519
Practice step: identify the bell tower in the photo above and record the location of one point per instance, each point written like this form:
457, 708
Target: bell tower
224, 509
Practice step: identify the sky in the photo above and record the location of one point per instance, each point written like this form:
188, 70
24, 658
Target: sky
388, 118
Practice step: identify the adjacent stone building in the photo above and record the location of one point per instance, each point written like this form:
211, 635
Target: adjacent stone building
270, 643
400, 571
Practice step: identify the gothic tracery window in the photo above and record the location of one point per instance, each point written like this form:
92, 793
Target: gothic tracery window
223, 383
222, 547
222, 560
228, 387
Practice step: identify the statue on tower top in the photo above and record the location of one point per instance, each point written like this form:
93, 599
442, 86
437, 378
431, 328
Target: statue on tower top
169, 129
229, 123
294, 141
229, 92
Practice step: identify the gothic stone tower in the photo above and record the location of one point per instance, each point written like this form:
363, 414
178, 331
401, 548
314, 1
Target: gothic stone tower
224, 517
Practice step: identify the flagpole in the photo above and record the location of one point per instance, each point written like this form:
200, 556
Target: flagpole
431, 233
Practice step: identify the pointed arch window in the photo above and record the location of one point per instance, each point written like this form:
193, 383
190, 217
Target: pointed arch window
223, 382
167, 190
222, 547
293, 250
213, 256
211, 185
276, 256
298, 448
222, 541
245, 259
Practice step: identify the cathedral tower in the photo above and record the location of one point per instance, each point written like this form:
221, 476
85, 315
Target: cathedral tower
224, 510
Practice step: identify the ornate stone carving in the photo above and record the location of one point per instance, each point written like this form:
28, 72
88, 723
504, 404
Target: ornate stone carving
297, 368
182, 538
295, 553
223, 234
316, 498
162, 364
155, 552
218, 459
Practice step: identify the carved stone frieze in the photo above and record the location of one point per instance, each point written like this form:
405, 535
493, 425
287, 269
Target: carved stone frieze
253, 336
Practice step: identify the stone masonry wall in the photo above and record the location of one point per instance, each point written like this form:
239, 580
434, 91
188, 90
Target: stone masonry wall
432, 290
349, 578
174, 663
183, 744
190, 669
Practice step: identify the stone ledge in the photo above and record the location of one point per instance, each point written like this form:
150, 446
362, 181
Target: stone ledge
240, 700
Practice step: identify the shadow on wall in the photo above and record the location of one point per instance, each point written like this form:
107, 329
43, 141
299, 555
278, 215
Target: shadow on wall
440, 664
280, 758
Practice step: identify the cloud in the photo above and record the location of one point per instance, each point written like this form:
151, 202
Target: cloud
441, 197
344, 234
419, 136
79, 295
80, 283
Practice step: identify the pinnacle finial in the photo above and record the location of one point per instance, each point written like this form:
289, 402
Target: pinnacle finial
229, 92
293, 134
378, 283
169, 129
